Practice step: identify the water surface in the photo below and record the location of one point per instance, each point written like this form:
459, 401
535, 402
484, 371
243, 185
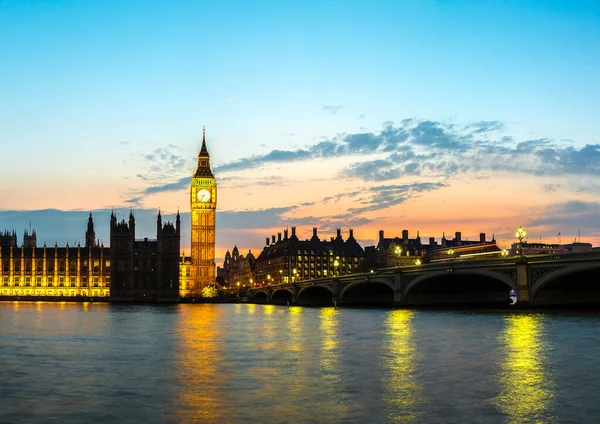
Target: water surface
96, 363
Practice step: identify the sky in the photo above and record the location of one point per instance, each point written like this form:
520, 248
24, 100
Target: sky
430, 116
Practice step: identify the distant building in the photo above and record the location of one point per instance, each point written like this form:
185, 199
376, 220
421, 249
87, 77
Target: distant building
54, 271
237, 269
545, 248
404, 251
144, 270
289, 259
398, 251
576, 247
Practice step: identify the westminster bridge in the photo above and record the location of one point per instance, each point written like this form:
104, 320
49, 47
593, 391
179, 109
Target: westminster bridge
537, 280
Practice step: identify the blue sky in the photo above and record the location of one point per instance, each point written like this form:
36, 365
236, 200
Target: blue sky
102, 100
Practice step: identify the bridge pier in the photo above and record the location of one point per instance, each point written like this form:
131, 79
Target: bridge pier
522, 282
399, 286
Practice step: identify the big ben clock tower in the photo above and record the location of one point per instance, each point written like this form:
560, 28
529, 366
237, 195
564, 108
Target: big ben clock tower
203, 204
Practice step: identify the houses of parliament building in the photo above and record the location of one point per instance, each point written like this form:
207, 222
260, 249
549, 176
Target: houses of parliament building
130, 270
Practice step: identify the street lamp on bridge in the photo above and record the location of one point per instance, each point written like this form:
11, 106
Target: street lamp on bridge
336, 264
520, 235
398, 252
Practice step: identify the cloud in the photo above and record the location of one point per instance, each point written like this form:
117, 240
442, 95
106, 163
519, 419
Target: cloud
163, 163
384, 196
434, 135
332, 109
550, 188
376, 170
412, 147
182, 183
569, 218
485, 126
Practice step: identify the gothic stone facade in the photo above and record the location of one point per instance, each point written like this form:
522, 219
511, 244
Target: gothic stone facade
144, 270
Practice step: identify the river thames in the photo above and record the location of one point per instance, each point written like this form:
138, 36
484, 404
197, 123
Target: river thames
237, 363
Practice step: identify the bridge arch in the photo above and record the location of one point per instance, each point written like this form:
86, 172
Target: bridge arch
315, 294
281, 296
367, 280
567, 296
459, 286
261, 296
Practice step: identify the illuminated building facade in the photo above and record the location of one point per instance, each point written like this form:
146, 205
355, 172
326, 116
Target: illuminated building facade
54, 271
398, 251
237, 269
203, 204
289, 259
144, 270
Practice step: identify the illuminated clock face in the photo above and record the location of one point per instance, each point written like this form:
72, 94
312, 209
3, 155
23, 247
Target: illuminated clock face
203, 195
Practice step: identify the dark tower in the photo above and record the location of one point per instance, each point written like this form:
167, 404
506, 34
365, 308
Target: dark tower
90, 235
29, 240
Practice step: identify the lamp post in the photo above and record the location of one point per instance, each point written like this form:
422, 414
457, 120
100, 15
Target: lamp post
280, 276
294, 272
451, 252
269, 279
335, 268
520, 235
504, 253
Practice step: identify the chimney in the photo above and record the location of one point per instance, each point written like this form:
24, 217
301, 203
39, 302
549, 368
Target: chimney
404, 235
273, 239
351, 233
339, 233
431, 241
293, 231
285, 234
457, 236
278, 237
314, 231
482, 237
380, 234
267, 242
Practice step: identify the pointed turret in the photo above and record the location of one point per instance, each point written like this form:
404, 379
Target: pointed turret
131, 223
90, 235
158, 223
203, 169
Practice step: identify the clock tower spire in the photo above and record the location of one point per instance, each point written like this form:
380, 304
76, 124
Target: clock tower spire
203, 204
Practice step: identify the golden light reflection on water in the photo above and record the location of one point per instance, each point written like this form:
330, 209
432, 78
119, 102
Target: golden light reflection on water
329, 340
402, 392
526, 389
294, 329
198, 397
335, 402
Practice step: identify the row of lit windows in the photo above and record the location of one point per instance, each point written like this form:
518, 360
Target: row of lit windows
39, 284
37, 292
325, 258
59, 280
62, 262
